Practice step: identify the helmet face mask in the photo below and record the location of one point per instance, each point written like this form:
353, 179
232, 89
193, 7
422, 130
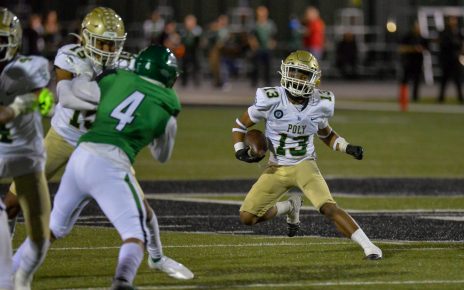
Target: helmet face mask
103, 36
10, 35
158, 63
300, 74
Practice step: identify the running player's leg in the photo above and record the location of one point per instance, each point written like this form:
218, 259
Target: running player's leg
121, 201
34, 199
260, 203
58, 153
312, 183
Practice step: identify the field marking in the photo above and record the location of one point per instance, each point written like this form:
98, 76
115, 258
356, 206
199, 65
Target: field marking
308, 284
280, 244
444, 218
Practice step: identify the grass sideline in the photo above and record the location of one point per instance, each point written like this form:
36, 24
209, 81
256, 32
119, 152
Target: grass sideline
86, 259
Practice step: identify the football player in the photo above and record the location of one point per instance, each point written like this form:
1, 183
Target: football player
22, 154
135, 110
103, 36
294, 113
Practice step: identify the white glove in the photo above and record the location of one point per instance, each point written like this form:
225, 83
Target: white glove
81, 68
24, 104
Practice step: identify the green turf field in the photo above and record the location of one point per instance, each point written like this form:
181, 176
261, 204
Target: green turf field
396, 145
223, 261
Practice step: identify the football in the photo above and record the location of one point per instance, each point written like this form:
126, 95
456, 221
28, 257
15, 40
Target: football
257, 142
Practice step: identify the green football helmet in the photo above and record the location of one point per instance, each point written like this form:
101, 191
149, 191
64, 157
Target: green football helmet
158, 63
300, 73
10, 35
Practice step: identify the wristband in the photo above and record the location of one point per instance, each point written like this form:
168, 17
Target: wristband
239, 130
341, 142
240, 124
239, 146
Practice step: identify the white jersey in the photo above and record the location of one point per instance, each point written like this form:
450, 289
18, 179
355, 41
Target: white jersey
22, 137
68, 123
290, 128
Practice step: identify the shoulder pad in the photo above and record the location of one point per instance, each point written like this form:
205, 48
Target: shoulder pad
32, 71
326, 103
266, 97
68, 54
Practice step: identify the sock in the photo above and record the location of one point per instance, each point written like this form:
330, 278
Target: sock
360, 237
283, 207
32, 256
18, 254
154, 247
130, 257
5, 254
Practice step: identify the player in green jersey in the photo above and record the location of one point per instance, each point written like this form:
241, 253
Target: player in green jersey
135, 110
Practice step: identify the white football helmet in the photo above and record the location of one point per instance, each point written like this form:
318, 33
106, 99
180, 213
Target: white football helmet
101, 28
10, 35
300, 73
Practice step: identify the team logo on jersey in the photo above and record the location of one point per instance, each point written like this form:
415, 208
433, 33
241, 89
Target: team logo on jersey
278, 114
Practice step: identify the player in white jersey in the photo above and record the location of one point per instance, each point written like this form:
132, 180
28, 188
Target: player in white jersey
22, 154
103, 37
294, 113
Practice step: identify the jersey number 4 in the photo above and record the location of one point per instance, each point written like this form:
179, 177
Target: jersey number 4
124, 112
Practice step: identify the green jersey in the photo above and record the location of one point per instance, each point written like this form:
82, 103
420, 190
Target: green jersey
132, 112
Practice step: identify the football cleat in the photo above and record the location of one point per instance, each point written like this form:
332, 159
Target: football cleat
172, 268
373, 253
293, 229
21, 281
293, 217
121, 284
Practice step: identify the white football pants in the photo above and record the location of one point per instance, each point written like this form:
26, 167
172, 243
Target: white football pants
89, 176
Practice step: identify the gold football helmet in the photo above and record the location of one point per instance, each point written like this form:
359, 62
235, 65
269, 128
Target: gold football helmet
10, 35
300, 73
103, 36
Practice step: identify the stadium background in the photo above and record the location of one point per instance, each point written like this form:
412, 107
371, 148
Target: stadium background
407, 194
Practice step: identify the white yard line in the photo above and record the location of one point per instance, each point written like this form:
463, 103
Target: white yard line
300, 284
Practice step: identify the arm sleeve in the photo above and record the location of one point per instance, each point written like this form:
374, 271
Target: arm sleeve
161, 147
83, 99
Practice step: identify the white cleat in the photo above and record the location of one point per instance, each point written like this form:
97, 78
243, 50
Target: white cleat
373, 253
172, 268
293, 217
21, 281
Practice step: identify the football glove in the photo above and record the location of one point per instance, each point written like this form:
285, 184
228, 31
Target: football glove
45, 102
244, 156
355, 151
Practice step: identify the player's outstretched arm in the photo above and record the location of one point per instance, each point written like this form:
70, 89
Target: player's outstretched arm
238, 138
161, 148
338, 143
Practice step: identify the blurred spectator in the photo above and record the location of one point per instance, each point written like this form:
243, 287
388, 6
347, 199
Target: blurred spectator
347, 56
217, 36
450, 50
153, 28
52, 35
411, 49
171, 39
190, 37
314, 36
296, 33
262, 43
33, 42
